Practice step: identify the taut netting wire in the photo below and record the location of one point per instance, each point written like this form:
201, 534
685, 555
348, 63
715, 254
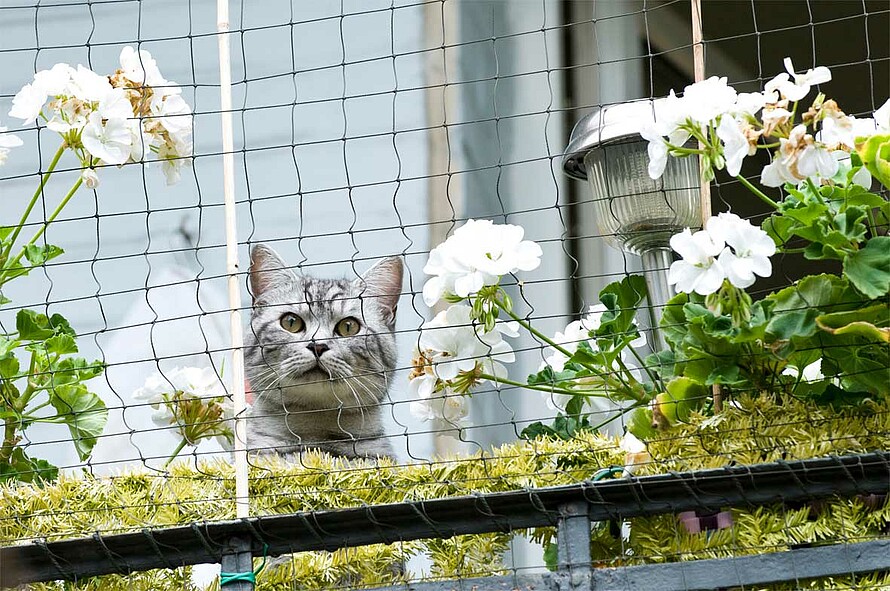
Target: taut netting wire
366, 130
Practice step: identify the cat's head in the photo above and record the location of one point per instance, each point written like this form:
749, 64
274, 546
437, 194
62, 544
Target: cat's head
314, 340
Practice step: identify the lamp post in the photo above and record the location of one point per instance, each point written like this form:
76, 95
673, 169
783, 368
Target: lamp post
634, 212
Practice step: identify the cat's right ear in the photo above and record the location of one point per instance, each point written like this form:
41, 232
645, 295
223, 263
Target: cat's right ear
267, 271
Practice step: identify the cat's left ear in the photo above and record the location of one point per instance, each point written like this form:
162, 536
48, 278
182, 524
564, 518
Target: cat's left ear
382, 284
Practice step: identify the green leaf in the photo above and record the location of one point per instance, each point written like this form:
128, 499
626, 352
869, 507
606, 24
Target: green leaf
38, 255
641, 423
83, 412
621, 299
861, 197
806, 214
551, 556
869, 269
875, 154
851, 224
33, 326
724, 374
673, 320
796, 307
25, 469
838, 398
664, 362
60, 344
9, 366
872, 322
60, 325
536, 430
681, 397
779, 228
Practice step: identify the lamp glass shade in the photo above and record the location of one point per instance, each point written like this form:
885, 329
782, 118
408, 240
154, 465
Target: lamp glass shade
634, 210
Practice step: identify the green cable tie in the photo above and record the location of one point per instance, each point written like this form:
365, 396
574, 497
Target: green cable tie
249, 576
613, 471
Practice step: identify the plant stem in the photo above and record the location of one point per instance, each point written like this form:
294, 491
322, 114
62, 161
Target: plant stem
34, 198
609, 381
49, 220
9, 429
652, 376
621, 413
815, 190
548, 389
176, 451
757, 192
524, 324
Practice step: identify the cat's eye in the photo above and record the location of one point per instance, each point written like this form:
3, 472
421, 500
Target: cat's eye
292, 323
347, 327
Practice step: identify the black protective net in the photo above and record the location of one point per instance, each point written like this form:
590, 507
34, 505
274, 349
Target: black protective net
366, 134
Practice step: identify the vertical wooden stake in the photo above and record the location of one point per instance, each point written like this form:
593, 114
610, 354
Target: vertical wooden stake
698, 58
239, 400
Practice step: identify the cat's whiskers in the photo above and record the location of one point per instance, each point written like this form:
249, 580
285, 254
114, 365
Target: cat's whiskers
358, 402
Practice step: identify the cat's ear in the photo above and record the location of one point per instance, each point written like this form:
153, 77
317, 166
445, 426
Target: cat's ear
267, 271
382, 284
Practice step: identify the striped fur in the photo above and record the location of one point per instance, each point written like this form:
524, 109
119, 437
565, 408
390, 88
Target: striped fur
331, 402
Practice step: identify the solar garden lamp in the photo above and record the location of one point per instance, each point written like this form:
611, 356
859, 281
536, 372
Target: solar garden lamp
634, 212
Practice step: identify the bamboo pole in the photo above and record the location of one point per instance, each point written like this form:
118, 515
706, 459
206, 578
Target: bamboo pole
698, 59
242, 502
444, 199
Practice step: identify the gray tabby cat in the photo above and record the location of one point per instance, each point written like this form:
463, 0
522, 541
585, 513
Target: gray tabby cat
317, 357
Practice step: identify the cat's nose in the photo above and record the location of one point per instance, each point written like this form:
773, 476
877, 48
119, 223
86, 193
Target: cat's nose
317, 348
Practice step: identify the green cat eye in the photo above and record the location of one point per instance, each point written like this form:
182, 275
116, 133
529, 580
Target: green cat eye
347, 327
292, 323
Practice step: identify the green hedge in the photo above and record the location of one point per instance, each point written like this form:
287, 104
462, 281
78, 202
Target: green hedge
749, 431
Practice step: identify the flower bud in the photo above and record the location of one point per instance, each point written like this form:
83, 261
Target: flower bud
90, 178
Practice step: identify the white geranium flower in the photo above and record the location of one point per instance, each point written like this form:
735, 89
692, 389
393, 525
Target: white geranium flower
190, 382
670, 114
192, 401
735, 144
816, 161
635, 452
477, 254
140, 67
7, 141
748, 103
801, 84
706, 100
838, 132
109, 141
775, 116
699, 269
114, 104
55, 81
174, 157
445, 406
574, 334
811, 373
776, 174
454, 343
27, 103
173, 113
451, 347
87, 85
658, 154
750, 250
